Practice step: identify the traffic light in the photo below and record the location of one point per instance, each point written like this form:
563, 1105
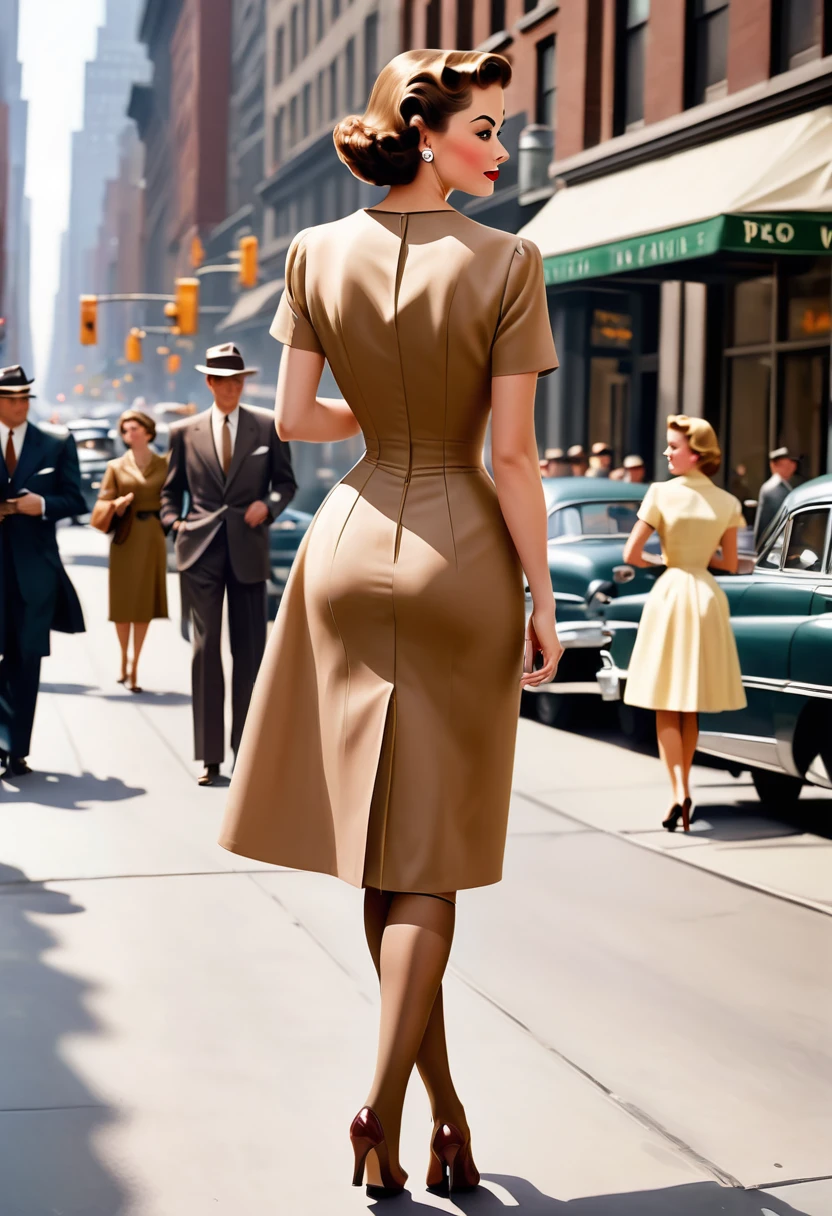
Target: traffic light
174, 364
89, 318
197, 253
133, 346
248, 261
187, 305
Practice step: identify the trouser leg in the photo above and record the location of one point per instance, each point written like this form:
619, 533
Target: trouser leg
19, 681
247, 616
204, 585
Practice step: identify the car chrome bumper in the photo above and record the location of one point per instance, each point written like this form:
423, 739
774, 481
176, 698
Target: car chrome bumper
583, 635
610, 678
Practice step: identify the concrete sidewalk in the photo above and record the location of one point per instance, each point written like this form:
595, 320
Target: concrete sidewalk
184, 1031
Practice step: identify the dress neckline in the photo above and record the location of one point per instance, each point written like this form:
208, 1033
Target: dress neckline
418, 211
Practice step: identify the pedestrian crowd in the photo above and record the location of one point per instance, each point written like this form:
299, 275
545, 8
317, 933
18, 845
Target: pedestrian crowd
574, 462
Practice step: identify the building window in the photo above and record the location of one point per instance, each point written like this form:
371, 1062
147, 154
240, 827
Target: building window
433, 23
279, 54
333, 90
321, 22
465, 25
707, 50
498, 15
293, 38
336, 9
349, 75
631, 41
370, 52
545, 94
277, 137
293, 122
306, 111
320, 114
795, 34
304, 44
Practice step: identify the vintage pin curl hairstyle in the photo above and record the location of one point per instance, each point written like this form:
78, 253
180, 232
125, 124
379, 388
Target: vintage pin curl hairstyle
381, 146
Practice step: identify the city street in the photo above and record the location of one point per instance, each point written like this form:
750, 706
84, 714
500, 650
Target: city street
639, 1022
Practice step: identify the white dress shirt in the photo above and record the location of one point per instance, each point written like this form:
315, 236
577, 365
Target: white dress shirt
18, 435
218, 422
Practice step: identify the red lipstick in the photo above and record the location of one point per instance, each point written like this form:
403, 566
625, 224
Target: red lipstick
492, 174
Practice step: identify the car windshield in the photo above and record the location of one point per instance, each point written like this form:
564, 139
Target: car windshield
592, 519
94, 447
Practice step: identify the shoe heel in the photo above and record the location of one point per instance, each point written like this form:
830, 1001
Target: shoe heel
451, 1154
361, 1149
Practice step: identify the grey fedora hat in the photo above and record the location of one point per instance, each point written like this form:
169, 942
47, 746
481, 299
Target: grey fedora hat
225, 360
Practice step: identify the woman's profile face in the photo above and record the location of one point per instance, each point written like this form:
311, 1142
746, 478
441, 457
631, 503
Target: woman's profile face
134, 434
468, 154
680, 458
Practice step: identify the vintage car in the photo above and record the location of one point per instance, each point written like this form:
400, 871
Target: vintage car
96, 443
285, 535
781, 614
589, 522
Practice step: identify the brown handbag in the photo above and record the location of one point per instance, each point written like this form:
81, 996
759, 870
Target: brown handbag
105, 519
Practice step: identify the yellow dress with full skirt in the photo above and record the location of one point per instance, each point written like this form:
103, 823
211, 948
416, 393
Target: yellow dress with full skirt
685, 657
380, 739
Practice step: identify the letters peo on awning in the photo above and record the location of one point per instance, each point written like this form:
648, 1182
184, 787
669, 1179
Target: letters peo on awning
765, 191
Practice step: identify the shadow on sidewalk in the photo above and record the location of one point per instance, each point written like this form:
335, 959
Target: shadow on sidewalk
749, 820
147, 696
49, 1119
698, 1199
67, 791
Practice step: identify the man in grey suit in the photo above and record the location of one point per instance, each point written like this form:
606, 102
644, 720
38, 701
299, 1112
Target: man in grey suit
773, 492
238, 477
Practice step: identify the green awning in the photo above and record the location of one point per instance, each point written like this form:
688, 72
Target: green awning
793, 233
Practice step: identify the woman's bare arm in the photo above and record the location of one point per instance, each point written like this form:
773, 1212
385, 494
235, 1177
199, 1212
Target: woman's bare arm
728, 559
517, 478
298, 412
634, 548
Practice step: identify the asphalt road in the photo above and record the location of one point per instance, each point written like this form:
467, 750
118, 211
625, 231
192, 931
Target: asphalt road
639, 1023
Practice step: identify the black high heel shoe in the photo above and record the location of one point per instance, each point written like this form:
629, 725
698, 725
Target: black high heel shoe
366, 1135
672, 820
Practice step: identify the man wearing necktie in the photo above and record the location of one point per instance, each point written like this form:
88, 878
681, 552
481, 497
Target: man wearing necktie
40, 483
237, 475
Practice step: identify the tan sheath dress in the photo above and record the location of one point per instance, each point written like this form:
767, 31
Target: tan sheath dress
380, 739
138, 566
685, 656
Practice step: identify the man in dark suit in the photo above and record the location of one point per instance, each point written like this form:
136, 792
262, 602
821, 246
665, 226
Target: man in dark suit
40, 483
783, 465
238, 478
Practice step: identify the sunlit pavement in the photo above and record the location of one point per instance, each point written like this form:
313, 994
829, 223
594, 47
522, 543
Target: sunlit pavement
186, 1032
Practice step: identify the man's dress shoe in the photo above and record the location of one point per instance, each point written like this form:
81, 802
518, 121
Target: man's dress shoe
210, 776
17, 766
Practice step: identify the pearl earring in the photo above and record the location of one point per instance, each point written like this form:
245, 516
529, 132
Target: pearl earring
427, 154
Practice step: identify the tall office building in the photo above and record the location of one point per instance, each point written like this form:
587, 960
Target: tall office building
15, 335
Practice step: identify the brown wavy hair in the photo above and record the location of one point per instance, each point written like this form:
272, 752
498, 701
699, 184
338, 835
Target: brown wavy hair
381, 146
702, 440
144, 421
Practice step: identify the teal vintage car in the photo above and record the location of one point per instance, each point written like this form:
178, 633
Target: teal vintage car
781, 614
589, 520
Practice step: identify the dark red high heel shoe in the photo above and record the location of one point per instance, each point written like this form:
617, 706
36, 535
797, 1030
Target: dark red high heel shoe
451, 1161
366, 1135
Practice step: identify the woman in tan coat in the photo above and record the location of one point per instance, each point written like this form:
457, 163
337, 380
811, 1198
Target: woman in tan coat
685, 658
131, 489
380, 739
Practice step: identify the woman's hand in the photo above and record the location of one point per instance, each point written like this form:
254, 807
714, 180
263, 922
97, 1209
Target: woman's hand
123, 503
541, 635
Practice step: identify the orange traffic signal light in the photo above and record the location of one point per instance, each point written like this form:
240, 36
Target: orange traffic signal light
133, 346
187, 305
248, 261
174, 364
89, 318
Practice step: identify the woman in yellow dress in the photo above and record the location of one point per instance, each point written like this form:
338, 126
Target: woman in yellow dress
685, 658
138, 567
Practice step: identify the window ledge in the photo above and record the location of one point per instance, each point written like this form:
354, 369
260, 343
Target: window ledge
543, 10
497, 42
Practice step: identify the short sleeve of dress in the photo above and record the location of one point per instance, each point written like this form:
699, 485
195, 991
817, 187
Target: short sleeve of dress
650, 511
109, 485
737, 519
292, 325
523, 341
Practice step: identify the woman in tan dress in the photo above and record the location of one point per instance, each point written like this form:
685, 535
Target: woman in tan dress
380, 739
685, 658
138, 567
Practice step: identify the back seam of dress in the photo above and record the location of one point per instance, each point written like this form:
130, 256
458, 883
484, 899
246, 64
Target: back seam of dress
445, 425
396, 288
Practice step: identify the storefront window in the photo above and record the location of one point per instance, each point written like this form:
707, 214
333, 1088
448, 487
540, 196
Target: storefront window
613, 329
805, 380
753, 302
748, 443
807, 303
609, 402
